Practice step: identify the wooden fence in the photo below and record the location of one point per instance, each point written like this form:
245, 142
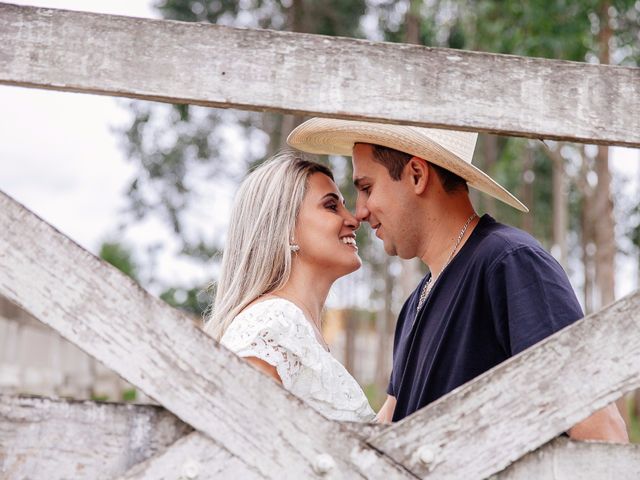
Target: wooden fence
220, 417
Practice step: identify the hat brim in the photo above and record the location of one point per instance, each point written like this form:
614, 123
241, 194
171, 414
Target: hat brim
337, 137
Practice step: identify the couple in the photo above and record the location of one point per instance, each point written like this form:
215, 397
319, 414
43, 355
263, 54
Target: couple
492, 291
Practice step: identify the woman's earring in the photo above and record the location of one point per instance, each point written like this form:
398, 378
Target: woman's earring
294, 247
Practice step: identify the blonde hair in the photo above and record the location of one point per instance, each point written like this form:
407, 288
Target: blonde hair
257, 257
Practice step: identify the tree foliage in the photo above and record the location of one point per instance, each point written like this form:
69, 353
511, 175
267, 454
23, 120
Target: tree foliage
120, 257
179, 150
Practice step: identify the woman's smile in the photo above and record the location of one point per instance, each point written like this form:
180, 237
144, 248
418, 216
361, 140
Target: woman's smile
349, 241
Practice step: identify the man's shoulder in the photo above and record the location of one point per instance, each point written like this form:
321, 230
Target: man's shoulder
497, 243
497, 238
514, 252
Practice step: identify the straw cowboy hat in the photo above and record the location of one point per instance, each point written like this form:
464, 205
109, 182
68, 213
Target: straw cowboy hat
449, 149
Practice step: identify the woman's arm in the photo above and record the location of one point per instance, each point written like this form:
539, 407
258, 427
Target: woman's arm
606, 425
264, 367
385, 415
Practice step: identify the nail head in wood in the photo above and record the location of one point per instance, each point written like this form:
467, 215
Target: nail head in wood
190, 469
426, 454
323, 464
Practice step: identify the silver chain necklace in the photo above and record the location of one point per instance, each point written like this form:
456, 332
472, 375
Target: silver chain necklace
317, 326
429, 285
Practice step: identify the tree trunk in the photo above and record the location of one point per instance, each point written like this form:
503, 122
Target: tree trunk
490, 154
604, 230
351, 326
560, 206
527, 189
603, 201
412, 22
296, 23
384, 326
587, 227
603, 205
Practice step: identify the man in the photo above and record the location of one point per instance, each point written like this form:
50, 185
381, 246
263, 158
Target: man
492, 291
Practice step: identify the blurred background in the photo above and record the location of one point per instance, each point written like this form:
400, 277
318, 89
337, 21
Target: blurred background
148, 186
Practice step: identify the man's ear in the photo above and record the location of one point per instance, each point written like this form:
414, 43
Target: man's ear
418, 172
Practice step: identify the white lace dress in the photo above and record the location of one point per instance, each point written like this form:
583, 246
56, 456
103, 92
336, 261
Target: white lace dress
276, 331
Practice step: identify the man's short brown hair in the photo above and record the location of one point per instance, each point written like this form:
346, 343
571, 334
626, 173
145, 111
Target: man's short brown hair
394, 161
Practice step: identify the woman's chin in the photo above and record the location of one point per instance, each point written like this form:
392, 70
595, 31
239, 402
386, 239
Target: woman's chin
355, 265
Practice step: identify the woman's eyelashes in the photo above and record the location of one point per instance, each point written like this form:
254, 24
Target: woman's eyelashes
335, 206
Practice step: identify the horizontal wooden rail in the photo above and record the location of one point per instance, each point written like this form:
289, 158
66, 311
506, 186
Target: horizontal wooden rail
44, 439
563, 459
193, 451
41, 438
193, 454
159, 350
523, 403
316, 75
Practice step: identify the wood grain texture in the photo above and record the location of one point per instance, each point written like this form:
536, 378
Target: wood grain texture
49, 439
161, 351
192, 455
316, 75
563, 459
523, 403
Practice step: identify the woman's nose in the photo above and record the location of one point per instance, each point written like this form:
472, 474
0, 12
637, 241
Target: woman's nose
351, 220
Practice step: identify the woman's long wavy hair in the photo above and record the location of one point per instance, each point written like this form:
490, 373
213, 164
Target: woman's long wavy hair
257, 257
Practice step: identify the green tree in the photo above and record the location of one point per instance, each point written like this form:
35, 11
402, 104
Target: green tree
120, 256
192, 300
176, 146
587, 30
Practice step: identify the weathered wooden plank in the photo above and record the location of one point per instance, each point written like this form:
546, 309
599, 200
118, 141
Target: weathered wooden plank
192, 457
194, 454
485, 425
318, 75
41, 438
563, 459
161, 351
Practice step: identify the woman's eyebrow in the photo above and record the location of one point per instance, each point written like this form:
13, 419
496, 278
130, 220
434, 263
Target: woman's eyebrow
332, 195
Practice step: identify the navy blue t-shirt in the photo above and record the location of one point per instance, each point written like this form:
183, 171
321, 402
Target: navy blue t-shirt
499, 295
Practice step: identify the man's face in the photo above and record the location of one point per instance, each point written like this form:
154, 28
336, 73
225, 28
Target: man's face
384, 203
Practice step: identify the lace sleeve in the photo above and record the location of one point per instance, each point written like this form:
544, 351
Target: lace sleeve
269, 335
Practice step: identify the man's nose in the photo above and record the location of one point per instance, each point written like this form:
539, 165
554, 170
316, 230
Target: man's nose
362, 212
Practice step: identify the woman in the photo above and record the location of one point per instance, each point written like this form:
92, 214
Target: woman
290, 238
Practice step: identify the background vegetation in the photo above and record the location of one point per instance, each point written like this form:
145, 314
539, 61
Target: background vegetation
180, 151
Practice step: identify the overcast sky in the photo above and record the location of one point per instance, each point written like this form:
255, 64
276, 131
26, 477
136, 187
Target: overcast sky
60, 158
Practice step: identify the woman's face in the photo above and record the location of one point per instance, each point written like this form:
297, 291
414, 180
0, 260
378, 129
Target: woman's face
325, 230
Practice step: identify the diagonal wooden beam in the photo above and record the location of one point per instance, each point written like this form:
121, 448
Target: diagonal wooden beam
159, 350
485, 425
42, 438
316, 75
